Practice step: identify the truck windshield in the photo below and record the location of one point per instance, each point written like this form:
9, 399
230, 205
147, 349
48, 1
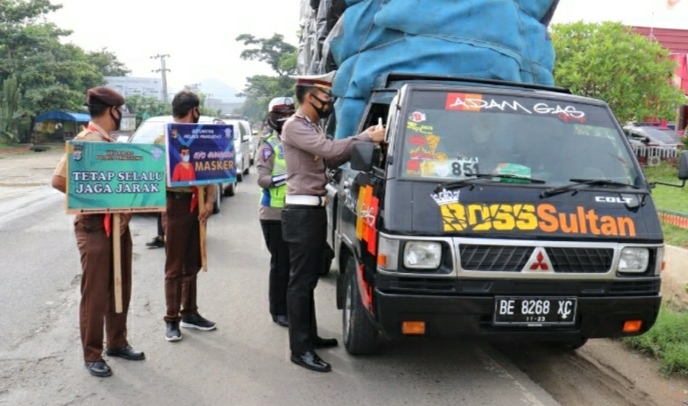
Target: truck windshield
450, 136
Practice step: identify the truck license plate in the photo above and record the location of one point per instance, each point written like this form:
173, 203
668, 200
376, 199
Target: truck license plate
535, 310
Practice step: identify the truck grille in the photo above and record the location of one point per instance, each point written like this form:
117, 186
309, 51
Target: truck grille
495, 258
503, 258
581, 260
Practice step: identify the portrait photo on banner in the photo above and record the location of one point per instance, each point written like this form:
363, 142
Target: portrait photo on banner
200, 154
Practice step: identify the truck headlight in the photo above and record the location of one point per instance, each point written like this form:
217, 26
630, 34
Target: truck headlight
422, 254
634, 260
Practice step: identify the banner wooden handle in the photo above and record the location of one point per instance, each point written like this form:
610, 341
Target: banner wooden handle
117, 258
202, 228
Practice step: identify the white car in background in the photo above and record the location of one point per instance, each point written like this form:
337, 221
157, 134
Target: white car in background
242, 145
154, 127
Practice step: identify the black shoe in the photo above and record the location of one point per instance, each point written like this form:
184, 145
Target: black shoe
156, 242
126, 353
310, 360
99, 368
320, 342
173, 333
281, 319
197, 321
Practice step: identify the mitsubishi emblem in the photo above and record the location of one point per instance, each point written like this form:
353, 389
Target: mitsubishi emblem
539, 261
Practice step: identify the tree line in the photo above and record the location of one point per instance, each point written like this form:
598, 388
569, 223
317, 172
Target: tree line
40, 73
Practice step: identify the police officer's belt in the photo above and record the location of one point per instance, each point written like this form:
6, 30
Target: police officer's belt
306, 200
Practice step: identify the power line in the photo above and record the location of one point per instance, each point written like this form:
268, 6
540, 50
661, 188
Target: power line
163, 69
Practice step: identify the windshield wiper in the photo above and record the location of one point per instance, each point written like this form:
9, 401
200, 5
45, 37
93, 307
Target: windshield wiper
457, 184
585, 182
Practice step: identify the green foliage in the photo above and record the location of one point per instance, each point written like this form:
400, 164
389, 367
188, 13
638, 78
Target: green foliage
52, 75
260, 89
144, 107
608, 61
667, 341
10, 100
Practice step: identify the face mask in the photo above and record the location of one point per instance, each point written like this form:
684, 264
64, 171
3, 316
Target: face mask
117, 120
196, 118
325, 109
186, 158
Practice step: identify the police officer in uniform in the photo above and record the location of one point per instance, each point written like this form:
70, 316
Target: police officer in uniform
272, 178
304, 220
94, 239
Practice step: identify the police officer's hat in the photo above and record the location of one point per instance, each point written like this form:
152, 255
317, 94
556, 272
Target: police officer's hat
323, 82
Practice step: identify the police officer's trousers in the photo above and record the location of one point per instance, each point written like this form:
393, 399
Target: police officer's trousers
279, 266
304, 228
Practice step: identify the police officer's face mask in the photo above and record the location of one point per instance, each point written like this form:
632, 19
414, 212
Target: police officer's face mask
326, 107
116, 119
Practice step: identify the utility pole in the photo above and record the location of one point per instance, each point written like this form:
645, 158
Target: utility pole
164, 70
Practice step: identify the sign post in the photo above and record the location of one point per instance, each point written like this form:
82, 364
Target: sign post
210, 148
114, 178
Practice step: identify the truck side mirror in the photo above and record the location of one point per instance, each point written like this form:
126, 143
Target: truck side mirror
363, 156
683, 166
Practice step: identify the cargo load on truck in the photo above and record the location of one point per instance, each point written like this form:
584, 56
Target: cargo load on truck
362, 39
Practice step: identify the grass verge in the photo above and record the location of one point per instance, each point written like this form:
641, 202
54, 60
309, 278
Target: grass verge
667, 341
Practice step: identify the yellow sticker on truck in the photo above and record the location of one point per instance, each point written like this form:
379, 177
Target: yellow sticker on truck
546, 218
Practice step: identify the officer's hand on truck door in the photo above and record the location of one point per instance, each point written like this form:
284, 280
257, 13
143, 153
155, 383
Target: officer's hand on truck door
377, 135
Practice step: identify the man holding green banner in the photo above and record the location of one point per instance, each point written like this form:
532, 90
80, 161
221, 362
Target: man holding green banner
95, 242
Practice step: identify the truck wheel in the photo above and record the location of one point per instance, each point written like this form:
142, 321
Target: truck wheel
360, 335
231, 190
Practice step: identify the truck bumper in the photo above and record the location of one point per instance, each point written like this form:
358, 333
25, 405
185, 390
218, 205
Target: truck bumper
466, 316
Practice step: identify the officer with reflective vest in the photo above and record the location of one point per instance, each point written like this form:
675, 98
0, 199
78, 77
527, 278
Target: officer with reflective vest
272, 178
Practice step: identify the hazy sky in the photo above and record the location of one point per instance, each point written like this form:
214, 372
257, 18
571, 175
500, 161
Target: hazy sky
200, 35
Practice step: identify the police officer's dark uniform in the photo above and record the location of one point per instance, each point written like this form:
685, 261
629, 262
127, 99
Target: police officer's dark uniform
272, 178
94, 239
304, 220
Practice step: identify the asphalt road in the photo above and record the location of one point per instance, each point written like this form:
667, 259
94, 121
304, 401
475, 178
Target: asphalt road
244, 362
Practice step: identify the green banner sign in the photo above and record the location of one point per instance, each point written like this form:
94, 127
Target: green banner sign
104, 177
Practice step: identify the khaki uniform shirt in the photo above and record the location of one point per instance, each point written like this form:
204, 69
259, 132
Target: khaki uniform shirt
99, 135
305, 148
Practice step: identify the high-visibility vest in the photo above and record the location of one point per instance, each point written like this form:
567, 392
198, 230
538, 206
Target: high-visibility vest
274, 196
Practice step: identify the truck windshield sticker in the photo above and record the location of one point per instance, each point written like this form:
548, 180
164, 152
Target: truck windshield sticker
459, 168
478, 103
476, 217
419, 128
417, 117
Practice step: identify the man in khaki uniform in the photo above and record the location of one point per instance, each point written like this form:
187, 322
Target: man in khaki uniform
96, 309
183, 245
304, 219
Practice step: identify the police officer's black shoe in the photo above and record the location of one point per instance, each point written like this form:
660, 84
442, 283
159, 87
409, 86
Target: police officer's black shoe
320, 342
99, 368
310, 360
126, 353
281, 319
